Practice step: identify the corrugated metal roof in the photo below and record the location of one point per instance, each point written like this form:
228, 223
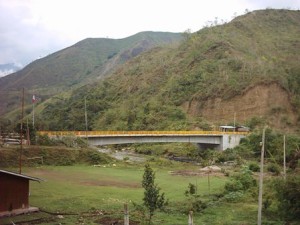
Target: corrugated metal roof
227, 127
21, 175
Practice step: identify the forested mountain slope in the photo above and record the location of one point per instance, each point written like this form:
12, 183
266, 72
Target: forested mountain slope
248, 69
90, 59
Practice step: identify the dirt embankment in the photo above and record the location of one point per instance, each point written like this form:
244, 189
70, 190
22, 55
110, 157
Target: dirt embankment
270, 101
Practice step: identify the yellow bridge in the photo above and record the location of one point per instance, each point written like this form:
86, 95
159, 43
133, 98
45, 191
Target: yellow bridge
204, 139
134, 133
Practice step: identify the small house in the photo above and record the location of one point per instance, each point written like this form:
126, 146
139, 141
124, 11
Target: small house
14, 193
242, 129
227, 128
234, 129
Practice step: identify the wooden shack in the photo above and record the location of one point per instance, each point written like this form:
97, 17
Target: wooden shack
14, 193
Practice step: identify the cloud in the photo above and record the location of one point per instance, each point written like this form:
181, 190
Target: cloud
5, 72
31, 28
275, 4
22, 38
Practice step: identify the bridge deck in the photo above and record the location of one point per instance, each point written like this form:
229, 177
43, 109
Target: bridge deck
137, 133
215, 139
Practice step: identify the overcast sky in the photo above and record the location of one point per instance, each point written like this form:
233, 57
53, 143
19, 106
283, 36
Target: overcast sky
35, 28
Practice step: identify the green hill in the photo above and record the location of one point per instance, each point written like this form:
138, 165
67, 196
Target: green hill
81, 63
246, 70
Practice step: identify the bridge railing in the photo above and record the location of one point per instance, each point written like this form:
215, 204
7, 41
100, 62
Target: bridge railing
133, 133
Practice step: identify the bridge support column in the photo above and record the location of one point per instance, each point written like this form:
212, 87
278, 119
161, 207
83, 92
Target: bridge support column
230, 141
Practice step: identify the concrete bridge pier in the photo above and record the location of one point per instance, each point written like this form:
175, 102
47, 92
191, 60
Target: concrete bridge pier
226, 141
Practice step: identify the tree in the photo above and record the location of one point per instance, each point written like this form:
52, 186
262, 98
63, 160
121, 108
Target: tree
152, 199
288, 196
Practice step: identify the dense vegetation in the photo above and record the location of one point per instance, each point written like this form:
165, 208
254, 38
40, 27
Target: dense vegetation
227, 197
150, 91
86, 61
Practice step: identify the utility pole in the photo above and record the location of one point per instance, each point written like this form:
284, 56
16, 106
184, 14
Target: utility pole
85, 115
261, 174
234, 116
190, 221
33, 101
21, 134
284, 159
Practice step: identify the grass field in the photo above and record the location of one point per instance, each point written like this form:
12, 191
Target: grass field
84, 194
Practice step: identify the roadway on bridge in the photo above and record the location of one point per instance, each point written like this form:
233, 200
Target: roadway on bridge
204, 139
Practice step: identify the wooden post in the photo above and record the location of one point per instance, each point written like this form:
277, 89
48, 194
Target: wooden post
27, 134
261, 174
126, 214
208, 179
190, 222
284, 160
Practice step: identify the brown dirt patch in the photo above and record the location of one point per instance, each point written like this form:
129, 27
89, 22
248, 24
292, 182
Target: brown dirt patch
79, 178
269, 100
110, 183
195, 173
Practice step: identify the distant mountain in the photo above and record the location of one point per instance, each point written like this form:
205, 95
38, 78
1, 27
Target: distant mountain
90, 59
244, 72
8, 68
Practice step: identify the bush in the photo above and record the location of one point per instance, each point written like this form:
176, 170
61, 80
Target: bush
254, 167
233, 186
68, 141
273, 168
234, 196
194, 202
198, 205
45, 140
191, 190
93, 157
242, 181
288, 196
73, 142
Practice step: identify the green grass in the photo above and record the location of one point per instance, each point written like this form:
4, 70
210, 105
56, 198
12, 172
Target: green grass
109, 186
87, 190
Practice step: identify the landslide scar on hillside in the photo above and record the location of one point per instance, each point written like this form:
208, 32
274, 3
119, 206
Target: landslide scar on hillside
261, 100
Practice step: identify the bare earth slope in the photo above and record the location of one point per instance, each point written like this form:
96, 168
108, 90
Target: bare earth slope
261, 100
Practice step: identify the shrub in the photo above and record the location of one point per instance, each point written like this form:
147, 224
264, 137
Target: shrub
45, 140
234, 196
242, 181
233, 186
273, 168
191, 190
288, 196
254, 167
93, 157
198, 205
194, 202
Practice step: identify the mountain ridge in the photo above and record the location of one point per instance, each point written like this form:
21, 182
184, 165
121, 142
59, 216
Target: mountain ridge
246, 68
255, 53
78, 64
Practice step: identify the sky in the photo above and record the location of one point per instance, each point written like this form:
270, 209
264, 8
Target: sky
30, 29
